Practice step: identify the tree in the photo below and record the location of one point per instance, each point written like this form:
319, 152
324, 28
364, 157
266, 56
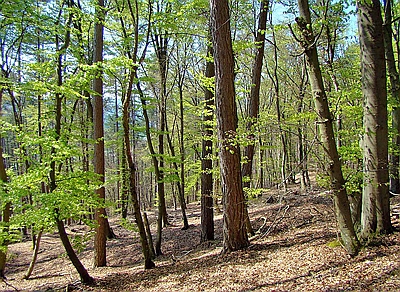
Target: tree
234, 231
394, 79
5, 208
341, 202
254, 99
375, 213
100, 259
207, 212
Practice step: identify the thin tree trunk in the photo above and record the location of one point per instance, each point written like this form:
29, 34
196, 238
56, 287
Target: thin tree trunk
148, 263
149, 235
85, 277
341, 202
254, 102
207, 211
34, 255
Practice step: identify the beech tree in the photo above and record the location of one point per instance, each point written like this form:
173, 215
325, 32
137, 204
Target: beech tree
341, 202
207, 204
394, 79
234, 230
375, 213
100, 259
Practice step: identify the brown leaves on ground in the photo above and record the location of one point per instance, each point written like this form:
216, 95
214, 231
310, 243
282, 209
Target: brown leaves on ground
295, 249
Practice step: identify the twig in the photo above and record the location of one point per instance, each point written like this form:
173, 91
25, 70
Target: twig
8, 284
273, 224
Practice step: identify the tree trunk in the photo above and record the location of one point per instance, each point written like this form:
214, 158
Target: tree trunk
395, 90
234, 228
34, 256
7, 207
375, 213
254, 100
207, 211
341, 202
100, 239
148, 263
85, 277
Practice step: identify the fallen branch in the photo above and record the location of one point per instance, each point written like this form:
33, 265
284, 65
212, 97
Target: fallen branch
276, 221
8, 284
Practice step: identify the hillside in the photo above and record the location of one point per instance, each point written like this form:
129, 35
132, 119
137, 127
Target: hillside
295, 250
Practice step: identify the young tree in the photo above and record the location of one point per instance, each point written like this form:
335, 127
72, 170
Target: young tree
207, 212
341, 202
5, 207
234, 231
375, 213
254, 99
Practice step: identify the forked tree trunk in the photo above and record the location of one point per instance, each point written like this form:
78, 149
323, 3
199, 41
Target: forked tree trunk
375, 213
234, 229
341, 202
207, 211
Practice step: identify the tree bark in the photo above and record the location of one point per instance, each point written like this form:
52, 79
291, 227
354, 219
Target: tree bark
234, 228
375, 213
395, 90
207, 211
85, 277
254, 100
100, 259
341, 202
34, 255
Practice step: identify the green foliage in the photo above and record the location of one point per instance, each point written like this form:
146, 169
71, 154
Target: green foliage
128, 225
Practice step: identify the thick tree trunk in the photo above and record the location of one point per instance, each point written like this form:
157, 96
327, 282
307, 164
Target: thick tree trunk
341, 202
100, 239
375, 213
395, 90
234, 229
207, 211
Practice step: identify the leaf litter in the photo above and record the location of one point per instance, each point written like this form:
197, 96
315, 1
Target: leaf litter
295, 249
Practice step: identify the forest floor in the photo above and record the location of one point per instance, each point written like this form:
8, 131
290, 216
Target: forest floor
295, 249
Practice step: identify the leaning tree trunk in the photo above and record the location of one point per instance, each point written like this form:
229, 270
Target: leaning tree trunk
375, 212
341, 202
148, 263
234, 228
85, 277
395, 90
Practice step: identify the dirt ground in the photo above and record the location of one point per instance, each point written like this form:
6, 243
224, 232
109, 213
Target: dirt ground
295, 249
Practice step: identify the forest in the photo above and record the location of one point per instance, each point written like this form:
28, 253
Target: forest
183, 145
